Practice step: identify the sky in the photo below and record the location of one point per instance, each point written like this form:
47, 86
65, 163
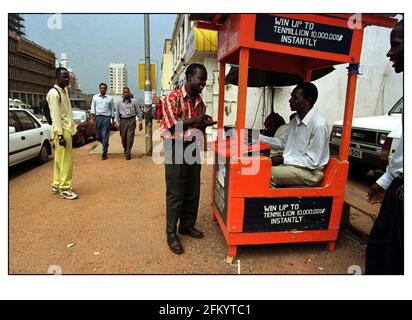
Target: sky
93, 41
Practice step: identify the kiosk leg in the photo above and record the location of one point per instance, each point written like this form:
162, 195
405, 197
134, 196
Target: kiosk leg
331, 245
231, 253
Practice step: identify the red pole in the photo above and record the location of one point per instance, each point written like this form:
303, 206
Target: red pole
242, 94
220, 113
349, 107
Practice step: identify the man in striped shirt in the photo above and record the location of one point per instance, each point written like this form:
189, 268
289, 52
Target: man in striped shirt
184, 121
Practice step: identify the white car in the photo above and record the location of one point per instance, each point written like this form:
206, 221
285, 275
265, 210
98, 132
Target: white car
28, 137
373, 139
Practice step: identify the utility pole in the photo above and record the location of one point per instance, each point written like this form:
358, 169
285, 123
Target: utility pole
147, 88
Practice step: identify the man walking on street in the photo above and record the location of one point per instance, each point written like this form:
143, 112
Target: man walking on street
183, 112
62, 131
385, 248
102, 110
126, 112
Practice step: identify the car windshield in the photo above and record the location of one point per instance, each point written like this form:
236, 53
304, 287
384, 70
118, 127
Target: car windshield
79, 116
397, 108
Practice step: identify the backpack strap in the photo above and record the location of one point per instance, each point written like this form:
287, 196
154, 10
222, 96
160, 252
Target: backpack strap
60, 97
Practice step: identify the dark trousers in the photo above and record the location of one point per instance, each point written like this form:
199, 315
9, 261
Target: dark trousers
102, 128
182, 185
385, 252
127, 130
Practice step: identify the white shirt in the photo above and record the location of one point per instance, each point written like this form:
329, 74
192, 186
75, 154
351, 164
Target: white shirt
102, 105
395, 167
305, 142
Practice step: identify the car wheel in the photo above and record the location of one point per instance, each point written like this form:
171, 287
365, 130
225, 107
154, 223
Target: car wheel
43, 156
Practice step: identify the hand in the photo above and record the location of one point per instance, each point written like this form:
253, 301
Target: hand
117, 125
198, 121
203, 120
140, 126
62, 142
375, 194
209, 122
276, 160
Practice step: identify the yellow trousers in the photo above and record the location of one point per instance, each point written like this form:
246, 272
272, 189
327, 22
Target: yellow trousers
63, 162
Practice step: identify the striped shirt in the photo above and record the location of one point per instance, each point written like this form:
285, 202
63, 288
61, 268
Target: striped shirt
177, 107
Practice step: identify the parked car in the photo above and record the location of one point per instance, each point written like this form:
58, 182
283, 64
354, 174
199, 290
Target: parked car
28, 137
84, 125
373, 139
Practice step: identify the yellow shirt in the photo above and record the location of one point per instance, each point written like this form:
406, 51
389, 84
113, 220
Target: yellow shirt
60, 111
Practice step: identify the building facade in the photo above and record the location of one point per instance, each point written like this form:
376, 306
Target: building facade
193, 45
166, 69
118, 78
31, 70
16, 24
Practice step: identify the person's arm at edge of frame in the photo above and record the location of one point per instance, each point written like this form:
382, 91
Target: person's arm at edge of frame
377, 190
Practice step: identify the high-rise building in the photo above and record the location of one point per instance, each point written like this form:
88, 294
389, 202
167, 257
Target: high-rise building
64, 62
118, 78
77, 97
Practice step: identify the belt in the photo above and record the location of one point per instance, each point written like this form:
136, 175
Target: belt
127, 117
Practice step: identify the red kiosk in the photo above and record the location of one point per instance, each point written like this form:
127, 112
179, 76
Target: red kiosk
247, 209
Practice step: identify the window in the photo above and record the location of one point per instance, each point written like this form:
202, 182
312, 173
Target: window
79, 116
13, 122
398, 108
26, 121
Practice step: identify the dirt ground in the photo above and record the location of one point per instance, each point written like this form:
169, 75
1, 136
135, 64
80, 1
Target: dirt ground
117, 226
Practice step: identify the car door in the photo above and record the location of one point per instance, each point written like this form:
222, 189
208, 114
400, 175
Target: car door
31, 134
16, 145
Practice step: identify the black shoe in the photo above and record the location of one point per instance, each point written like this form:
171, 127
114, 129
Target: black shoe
191, 232
174, 243
128, 157
104, 157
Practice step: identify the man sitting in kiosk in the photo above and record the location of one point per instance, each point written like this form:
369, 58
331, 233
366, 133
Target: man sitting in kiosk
305, 142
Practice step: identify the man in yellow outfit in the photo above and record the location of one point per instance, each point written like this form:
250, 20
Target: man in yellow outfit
62, 131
